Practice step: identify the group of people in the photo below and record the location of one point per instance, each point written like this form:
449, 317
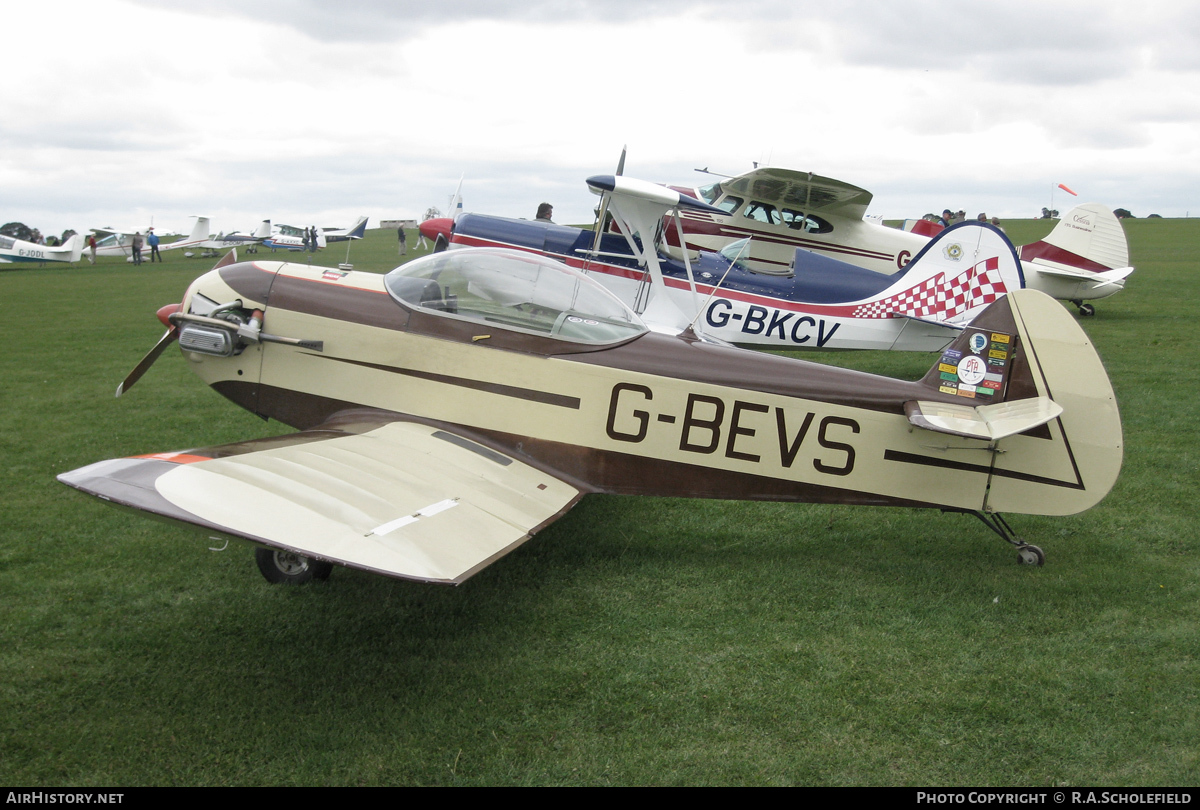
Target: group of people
422, 243
135, 246
949, 218
309, 240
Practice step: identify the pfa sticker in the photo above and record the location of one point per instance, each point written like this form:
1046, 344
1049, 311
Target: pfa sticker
972, 370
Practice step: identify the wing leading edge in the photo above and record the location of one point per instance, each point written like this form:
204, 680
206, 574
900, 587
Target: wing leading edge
399, 498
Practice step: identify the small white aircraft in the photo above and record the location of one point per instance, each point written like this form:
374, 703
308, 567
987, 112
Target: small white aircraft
290, 237
195, 240
236, 239
18, 251
1084, 257
112, 242
355, 231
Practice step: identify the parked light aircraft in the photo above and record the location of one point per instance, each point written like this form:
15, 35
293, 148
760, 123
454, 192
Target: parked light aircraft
1085, 257
235, 239
18, 251
817, 302
355, 231
465, 401
289, 237
111, 242
201, 233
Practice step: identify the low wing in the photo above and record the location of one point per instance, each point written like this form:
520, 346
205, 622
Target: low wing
398, 498
809, 192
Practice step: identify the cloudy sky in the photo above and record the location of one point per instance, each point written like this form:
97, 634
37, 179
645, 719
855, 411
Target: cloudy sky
122, 112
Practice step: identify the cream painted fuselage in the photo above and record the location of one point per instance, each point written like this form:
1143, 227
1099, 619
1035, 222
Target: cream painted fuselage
662, 415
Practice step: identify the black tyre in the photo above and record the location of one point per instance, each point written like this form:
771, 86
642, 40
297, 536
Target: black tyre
289, 567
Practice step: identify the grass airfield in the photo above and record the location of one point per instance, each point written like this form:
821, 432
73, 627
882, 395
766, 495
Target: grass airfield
637, 641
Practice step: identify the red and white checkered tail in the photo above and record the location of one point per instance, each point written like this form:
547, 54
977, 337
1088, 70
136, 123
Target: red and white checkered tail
960, 271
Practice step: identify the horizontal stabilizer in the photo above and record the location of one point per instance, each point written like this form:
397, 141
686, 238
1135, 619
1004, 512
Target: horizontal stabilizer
951, 328
1115, 276
988, 422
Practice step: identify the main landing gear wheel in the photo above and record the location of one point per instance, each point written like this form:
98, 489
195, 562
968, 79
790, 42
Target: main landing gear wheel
1030, 555
289, 567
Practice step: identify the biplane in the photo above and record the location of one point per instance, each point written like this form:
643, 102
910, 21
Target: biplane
814, 302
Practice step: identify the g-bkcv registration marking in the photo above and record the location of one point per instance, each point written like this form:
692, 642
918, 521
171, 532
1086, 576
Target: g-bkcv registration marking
770, 322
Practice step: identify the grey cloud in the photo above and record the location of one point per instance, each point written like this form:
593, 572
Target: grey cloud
376, 20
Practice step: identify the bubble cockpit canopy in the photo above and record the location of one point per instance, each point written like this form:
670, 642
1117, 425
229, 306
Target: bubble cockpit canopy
514, 290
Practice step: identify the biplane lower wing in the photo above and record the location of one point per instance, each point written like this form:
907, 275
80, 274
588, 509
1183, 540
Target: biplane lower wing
399, 498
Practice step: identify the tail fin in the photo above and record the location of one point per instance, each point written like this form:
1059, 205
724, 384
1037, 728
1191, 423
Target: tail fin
456, 206
962, 269
359, 230
1089, 237
264, 229
75, 243
320, 238
1025, 377
200, 231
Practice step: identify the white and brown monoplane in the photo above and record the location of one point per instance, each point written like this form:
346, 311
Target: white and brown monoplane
454, 407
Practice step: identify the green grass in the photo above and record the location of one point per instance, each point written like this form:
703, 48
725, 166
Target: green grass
637, 641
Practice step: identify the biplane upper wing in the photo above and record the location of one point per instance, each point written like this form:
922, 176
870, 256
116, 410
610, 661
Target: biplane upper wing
804, 190
400, 498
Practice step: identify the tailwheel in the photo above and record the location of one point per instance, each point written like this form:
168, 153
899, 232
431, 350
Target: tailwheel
278, 566
1087, 310
1026, 554
1030, 555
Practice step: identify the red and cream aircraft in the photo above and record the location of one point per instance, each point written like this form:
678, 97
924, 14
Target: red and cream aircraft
1085, 257
454, 407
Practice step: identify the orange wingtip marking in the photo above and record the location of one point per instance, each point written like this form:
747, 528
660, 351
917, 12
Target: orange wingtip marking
178, 458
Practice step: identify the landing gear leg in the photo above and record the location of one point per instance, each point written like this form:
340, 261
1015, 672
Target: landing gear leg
1026, 554
1086, 310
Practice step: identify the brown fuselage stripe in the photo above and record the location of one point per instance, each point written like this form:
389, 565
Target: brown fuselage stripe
529, 394
909, 458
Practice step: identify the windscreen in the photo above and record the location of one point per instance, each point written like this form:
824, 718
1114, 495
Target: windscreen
515, 290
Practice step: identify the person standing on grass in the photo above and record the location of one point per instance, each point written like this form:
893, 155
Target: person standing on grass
403, 240
138, 241
152, 241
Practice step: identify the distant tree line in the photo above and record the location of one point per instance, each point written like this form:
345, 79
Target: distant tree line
19, 230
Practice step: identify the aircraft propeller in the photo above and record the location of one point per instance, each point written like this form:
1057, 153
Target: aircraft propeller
169, 337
